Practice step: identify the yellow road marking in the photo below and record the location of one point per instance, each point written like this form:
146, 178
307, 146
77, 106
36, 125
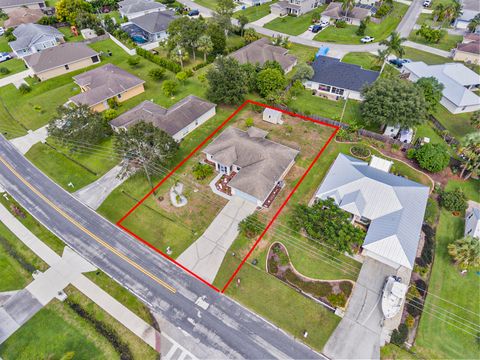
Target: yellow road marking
86, 231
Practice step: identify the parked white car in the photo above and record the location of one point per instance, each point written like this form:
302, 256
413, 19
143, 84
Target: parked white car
4, 56
367, 39
427, 3
2, 31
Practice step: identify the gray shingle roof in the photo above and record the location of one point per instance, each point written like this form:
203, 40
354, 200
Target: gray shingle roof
135, 6
22, 15
262, 161
29, 34
331, 71
261, 51
60, 55
395, 206
104, 83
334, 10
17, 3
154, 22
171, 120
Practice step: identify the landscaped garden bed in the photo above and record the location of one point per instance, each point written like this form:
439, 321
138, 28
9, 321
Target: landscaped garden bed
360, 151
333, 293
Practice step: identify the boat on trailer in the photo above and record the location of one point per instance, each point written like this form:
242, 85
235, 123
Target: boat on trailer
394, 293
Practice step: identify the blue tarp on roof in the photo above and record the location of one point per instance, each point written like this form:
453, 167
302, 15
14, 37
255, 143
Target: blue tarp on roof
322, 51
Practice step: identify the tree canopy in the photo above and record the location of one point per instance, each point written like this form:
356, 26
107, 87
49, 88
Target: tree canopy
393, 102
432, 157
431, 89
270, 81
304, 72
68, 10
465, 252
325, 222
226, 81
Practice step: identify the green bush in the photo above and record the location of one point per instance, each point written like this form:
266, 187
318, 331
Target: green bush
109, 114
272, 266
399, 336
202, 171
249, 122
415, 307
317, 289
453, 200
360, 151
251, 226
346, 287
112, 103
383, 10
157, 73
410, 321
24, 89
340, 24
4, 70
133, 61
163, 62
432, 157
337, 300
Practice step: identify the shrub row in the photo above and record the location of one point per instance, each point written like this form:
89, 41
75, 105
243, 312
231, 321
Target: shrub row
315, 288
160, 61
106, 331
14, 254
399, 336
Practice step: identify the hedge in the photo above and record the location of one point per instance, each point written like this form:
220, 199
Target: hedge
160, 61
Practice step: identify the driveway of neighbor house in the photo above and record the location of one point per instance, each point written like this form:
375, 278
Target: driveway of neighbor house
204, 257
363, 324
24, 143
16, 79
265, 19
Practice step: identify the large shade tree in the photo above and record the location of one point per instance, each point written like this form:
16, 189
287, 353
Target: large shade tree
393, 101
226, 81
431, 89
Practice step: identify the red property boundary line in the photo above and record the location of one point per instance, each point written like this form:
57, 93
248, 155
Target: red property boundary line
119, 223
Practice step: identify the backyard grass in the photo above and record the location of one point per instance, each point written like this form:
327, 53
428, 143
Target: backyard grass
14, 66
253, 13
364, 59
435, 337
69, 36
447, 43
293, 25
471, 188
457, 124
380, 31
428, 58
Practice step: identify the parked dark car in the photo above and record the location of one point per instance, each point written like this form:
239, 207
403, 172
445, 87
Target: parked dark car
194, 12
398, 62
316, 28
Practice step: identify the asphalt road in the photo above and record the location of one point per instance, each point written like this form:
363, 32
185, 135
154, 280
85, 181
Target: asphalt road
227, 327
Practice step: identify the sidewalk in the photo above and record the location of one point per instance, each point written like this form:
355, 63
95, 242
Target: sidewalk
126, 317
16, 79
24, 143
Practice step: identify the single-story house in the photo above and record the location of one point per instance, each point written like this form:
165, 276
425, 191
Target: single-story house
391, 206
458, 81
254, 2
178, 121
150, 27
134, 8
294, 7
472, 221
258, 165
468, 50
354, 16
334, 79
22, 16
262, 50
272, 116
104, 83
61, 59
32, 38
464, 19
10, 5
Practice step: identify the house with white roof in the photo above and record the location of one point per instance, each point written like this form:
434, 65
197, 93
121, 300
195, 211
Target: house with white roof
391, 206
458, 82
472, 221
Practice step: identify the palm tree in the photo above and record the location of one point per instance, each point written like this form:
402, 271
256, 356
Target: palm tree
205, 45
438, 12
470, 153
465, 252
347, 5
179, 54
474, 23
382, 56
393, 44
452, 12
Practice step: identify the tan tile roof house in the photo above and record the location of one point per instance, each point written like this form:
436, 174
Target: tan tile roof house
358, 13
22, 16
177, 121
104, 83
61, 59
262, 50
468, 52
259, 164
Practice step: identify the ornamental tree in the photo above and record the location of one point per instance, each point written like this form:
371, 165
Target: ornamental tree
465, 252
226, 81
270, 81
454, 200
432, 157
393, 102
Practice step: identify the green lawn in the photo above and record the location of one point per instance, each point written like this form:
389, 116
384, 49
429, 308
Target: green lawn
380, 31
471, 188
302, 52
293, 25
253, 13
211, 4
4, 47
457, 124
427, 130
14, 66
428, 58
69, 36
435, 337
364, 59
447, 43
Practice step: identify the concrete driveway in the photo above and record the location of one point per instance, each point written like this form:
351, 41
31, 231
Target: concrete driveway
204, 257
363, 331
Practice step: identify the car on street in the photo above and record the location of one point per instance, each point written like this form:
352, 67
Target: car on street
194, 12
4, 56
399, 62
367, 39
427, 3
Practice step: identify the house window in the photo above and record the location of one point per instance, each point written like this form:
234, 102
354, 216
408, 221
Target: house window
337, 91
223, 169
324, 87
66, 67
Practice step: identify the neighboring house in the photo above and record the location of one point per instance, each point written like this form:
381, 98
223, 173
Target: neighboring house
354, 16
22, 16
391, 206
463, 20
468, 50
177, 121
32, 38
458, 82
472, 221
294, 7
104, 83
257, 166
262, 50
61, 59
272, 116
10, 5
150, 27
334, 79
254, 2
134, 8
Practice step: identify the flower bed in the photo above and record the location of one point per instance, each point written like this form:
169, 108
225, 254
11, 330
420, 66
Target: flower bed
360, 151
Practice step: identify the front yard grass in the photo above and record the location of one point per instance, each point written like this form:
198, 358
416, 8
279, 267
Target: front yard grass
302, 52
366, 60
14, 66
211, 4
428, 58
447, 43
292, 25
380, 31
253, 13
435, 337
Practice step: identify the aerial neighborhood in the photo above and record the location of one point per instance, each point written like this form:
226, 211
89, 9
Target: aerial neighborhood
253, 179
